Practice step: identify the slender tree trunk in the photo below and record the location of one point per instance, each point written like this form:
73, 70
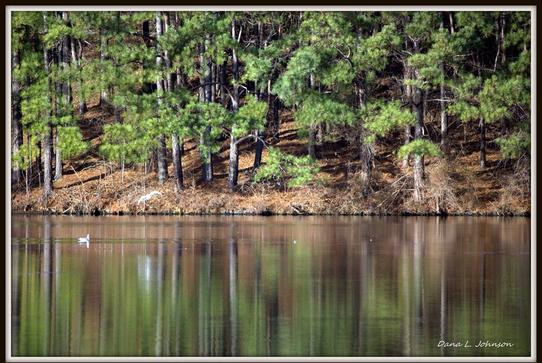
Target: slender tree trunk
443, 119
233, 171
312, 141
64, 97
103, 48
177, 161
16, 126
408, 97
47, 148
482, 143
258, 147
366, 156
58, 158
312, 128
276, 119
67, 87
418, 134
223, 80
258, 150
77, 63
443, 116
161, 151
207, 157
366, 152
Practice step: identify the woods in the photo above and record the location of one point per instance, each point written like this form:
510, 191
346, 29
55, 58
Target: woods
419, 84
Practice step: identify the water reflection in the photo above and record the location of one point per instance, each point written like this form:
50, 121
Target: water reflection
230, 286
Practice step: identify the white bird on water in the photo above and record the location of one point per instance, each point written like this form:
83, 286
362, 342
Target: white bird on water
85, 240
146, 197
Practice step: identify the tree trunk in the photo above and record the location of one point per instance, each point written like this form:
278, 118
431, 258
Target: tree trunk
223, 80
234, 163
366, 156
161, 151
482, 143
418, 134
276, 119
312, 141
16, 126
366, 151
58, 158
103, 47
66, 86
312, 127
77, 63
443, 116
207, 158
258, 147
47, 175
443, 120
177, 161
206, 95
233, 169
407, 75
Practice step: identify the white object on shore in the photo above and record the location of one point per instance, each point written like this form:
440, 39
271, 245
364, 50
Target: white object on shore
85, 240
146, 197
295, 241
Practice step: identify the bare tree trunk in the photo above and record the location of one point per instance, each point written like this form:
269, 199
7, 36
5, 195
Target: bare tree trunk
276, 119
443, 116
312, 128
366, 156
76, 60
64, 88
408, 97
233, 169
161, 151
312, 141
258, 150
443, 120
177, 161
16, 126
58, 158
366, 152
482, 125
418, 134
47, 148
258, 147
206, 94
103, 48
233, 172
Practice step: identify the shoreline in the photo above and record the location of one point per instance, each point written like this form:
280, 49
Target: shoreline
104, 213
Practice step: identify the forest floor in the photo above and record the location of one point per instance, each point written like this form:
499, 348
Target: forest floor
456, 185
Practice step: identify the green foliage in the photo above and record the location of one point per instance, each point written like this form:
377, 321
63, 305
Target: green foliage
322, 109
204, 120
515, 145
293, 82
251, 116
499, 95
419, 147
285, 169
126, 143
380, 117
70, 142
26, 155
372, 52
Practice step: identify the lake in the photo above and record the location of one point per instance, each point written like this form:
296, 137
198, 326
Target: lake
270, 286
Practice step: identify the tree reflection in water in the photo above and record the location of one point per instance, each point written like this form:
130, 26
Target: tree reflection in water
237, 286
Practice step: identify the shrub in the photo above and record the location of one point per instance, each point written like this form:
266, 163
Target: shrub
285, 169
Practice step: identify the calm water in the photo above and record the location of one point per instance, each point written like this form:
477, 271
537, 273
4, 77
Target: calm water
269, 286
